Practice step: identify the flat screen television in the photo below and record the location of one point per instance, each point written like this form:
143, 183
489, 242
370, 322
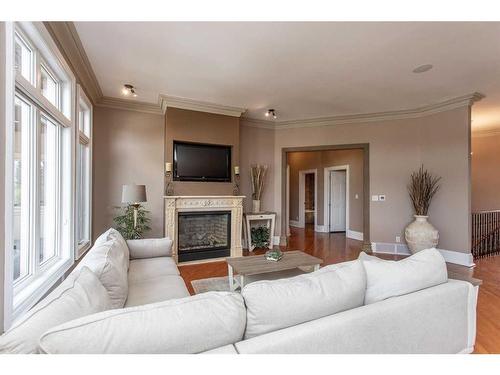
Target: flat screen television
201, 162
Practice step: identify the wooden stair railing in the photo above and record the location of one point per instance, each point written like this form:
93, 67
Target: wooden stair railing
485, 233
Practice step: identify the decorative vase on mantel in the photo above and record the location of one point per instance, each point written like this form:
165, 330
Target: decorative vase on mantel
421, 234
255, 206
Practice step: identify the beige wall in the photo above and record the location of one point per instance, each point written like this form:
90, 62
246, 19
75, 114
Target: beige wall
256, 147
397, 147
322, 159
485, 172
194, 126
128, 148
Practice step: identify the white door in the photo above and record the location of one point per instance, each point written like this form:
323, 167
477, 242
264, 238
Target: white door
337, 201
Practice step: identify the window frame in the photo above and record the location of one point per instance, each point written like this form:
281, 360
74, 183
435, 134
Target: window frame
82, 101
20, 296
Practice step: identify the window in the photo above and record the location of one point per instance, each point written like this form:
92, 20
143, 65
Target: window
83, 174
40, 168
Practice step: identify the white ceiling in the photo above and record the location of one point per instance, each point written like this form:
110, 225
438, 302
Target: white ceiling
303, 70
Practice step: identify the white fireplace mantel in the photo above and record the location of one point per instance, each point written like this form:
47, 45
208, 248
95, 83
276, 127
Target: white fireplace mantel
182, 203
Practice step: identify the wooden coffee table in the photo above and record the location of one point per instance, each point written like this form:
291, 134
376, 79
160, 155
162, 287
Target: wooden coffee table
258, 264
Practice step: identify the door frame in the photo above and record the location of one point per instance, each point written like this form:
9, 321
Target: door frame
326, 201
366, 185
302, 196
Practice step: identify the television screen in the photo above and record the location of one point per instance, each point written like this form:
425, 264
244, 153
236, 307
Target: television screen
201, 162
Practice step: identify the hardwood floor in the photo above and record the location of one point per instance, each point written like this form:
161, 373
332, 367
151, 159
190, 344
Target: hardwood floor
336, 248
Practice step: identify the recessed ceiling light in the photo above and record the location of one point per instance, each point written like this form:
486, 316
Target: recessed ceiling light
422, 68
128, 89
271, 113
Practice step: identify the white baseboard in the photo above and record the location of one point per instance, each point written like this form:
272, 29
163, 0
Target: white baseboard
276, 240
321, 228
295, 223
390, 248
354, 235
455, 257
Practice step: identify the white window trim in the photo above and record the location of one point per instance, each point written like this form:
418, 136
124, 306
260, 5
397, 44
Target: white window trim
81, 249
16, 305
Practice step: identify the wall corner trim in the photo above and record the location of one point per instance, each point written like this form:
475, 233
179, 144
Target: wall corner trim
445, 105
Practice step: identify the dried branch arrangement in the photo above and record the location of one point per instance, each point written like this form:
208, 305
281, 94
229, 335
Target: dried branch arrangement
258, 174
422, 188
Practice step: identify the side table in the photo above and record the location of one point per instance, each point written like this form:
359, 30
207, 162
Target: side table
268, 217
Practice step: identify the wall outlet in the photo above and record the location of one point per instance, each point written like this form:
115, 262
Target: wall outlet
356, 196
381, 198
374, 198
398, 239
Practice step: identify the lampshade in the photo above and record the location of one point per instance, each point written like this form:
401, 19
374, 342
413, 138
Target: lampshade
134, 193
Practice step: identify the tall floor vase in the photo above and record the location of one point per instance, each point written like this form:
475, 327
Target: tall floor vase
420, 234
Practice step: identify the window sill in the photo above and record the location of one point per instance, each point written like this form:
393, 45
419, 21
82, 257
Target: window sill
82, 249
27, 297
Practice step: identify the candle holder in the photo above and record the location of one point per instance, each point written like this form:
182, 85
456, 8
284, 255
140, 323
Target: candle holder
236, 185
169, 186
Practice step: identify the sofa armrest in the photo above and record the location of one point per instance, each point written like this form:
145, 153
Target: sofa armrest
150, 248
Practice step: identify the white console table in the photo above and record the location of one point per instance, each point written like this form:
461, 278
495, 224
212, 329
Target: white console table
268, 217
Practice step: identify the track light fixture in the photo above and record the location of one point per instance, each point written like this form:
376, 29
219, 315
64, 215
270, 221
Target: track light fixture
271, 113
128, 89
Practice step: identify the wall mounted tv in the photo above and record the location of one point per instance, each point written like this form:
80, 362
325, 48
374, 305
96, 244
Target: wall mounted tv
201, 162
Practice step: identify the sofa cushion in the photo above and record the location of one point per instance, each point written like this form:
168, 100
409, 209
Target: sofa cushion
273, 305
389, 278
156, 289
105, 259
144, 269
188, 325
123, 253
79, 295
150, 248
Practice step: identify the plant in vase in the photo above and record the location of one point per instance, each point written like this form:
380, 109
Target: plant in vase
132, 228
258, 175
420, 234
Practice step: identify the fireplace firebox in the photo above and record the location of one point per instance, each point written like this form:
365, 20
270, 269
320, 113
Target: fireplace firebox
203, 235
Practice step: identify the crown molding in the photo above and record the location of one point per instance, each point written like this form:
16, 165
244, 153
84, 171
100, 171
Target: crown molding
196, 105
66, 37
458, 102
485, 133
129, 105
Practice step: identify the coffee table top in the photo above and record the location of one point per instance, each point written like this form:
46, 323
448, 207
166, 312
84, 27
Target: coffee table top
257, 264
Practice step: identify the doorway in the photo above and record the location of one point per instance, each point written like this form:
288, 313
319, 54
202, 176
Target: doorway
337, 198
307, 197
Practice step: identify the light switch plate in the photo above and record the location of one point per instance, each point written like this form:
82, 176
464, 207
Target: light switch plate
375, 198
356, 196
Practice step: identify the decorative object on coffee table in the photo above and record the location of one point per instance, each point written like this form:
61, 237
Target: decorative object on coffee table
420, 234
274, 255
259, 265
258, 175
169, 186
268, 217
236, 186
134, 221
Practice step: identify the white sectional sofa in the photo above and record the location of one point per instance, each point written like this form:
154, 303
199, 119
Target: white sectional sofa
128, 297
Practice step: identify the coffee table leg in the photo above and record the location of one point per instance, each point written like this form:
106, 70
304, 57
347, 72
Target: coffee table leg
316, 267
230, 277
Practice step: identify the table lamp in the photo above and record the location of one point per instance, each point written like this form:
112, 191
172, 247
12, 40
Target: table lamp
134, 195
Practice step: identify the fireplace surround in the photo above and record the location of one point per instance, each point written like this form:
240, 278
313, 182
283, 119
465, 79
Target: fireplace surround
201, 241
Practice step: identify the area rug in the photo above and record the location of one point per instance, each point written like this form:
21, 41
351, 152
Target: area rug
221, 284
